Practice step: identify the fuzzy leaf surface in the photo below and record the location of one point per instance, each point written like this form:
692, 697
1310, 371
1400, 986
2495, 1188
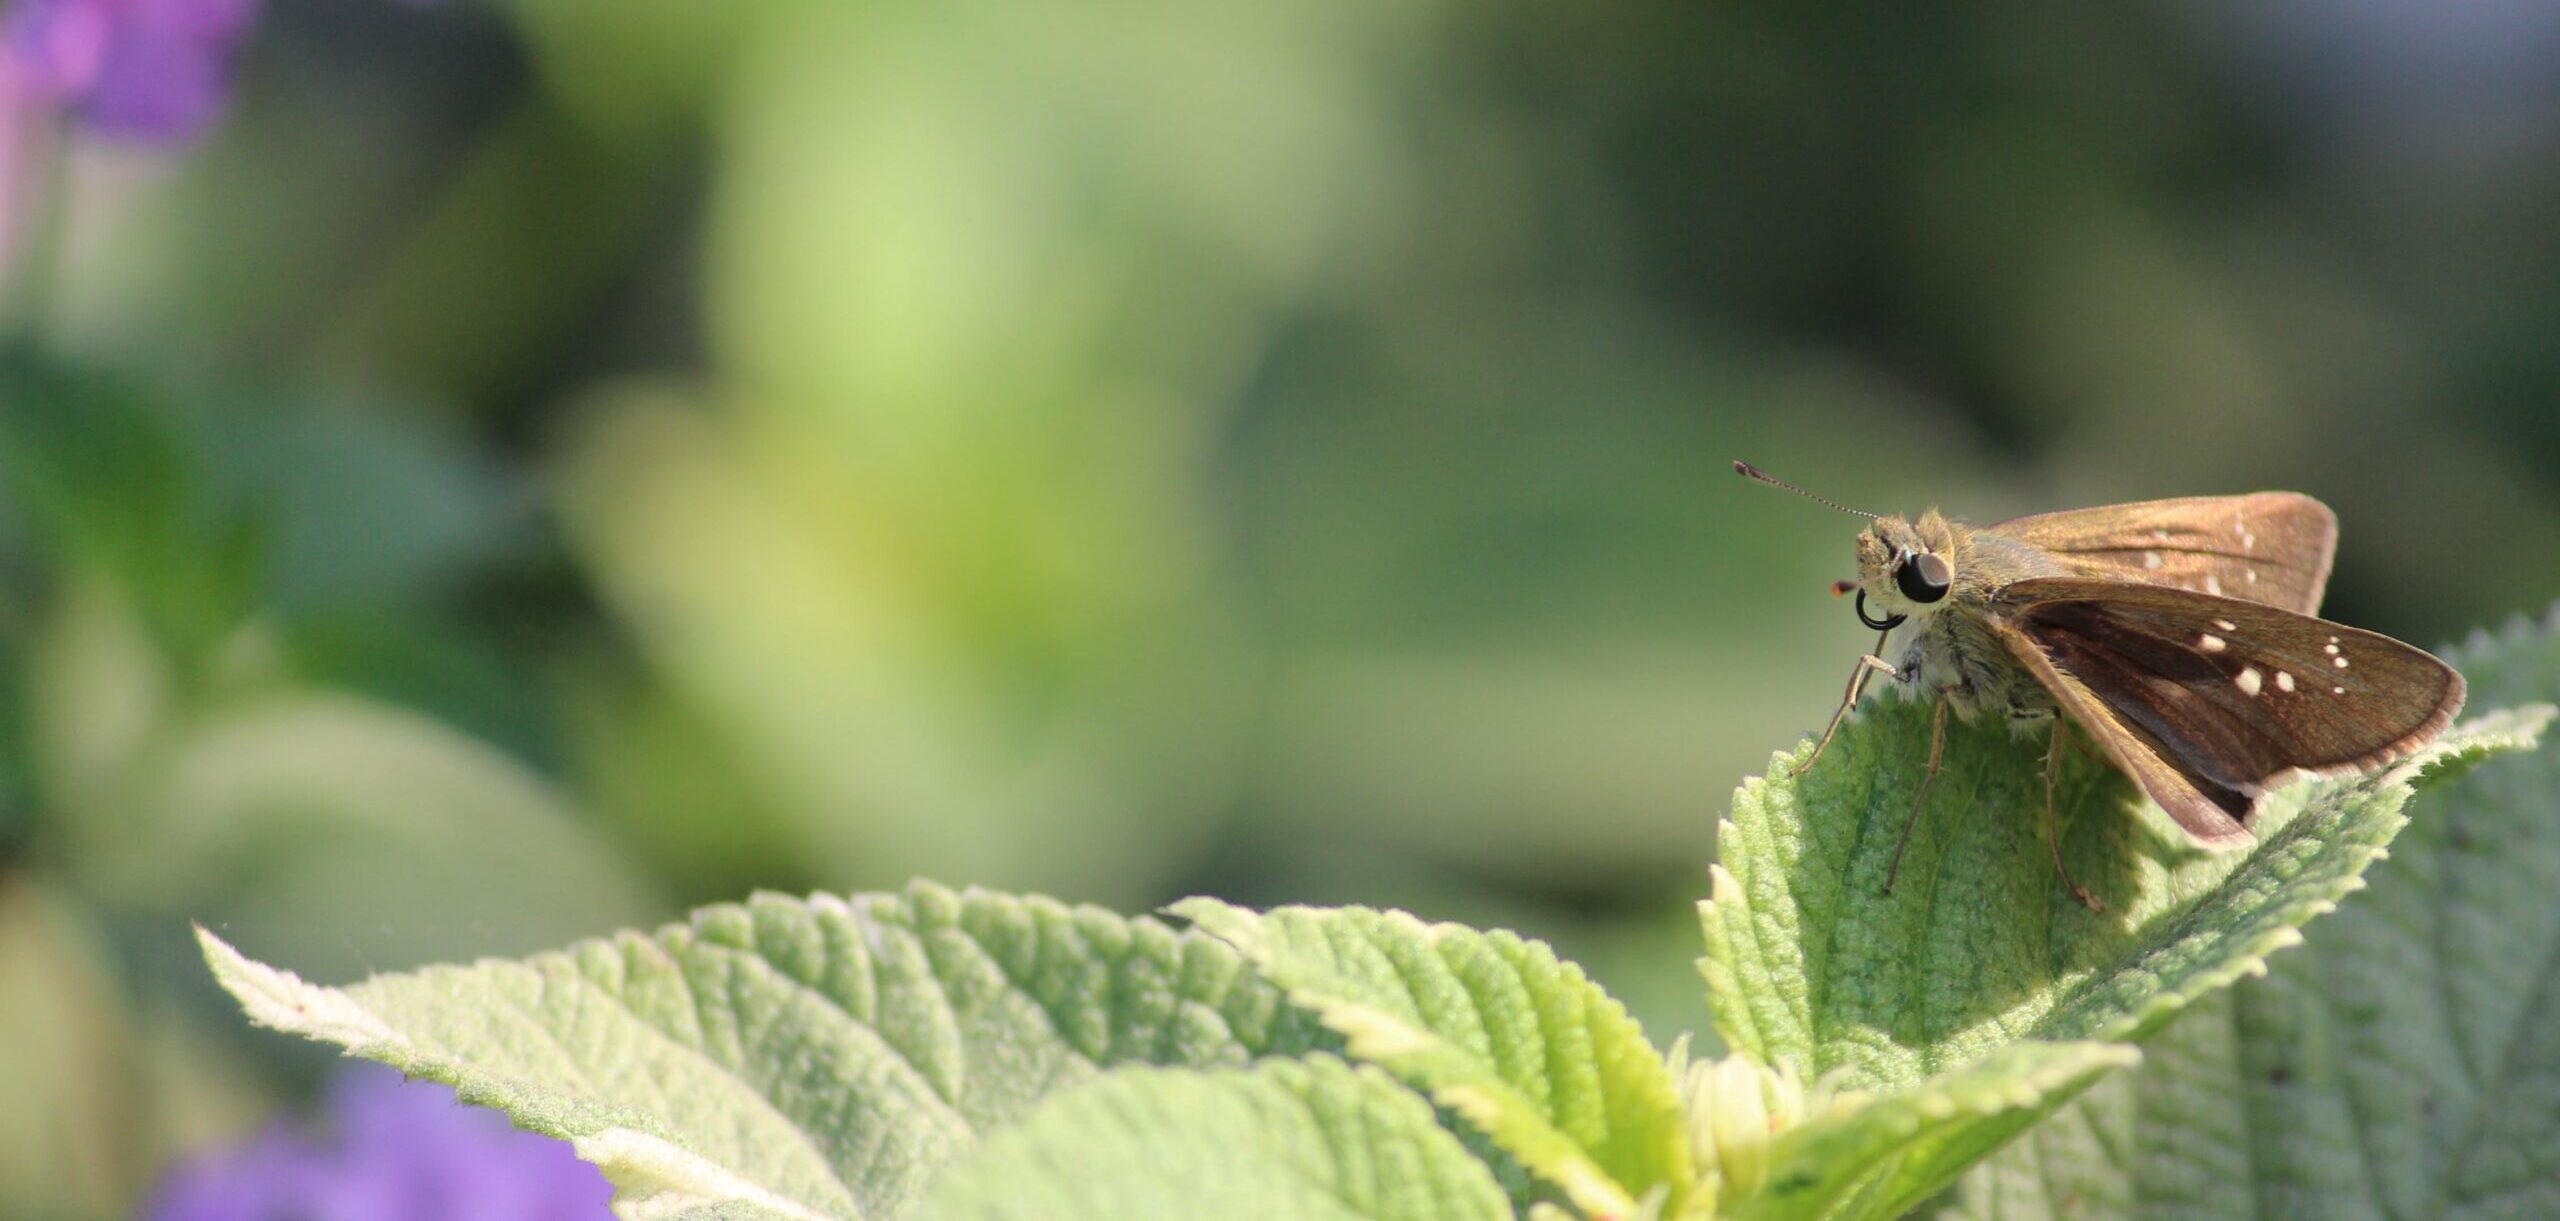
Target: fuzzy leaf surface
2405, 1063
1810, 962
1314, 1139
1880, 1158
780, 1057
1497, 1028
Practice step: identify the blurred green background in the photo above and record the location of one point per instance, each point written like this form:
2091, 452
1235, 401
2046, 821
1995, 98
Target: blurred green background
542, 466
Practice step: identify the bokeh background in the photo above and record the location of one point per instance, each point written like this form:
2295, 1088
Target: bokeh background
531, 468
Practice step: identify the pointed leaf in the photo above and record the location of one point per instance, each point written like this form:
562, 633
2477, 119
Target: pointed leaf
1881, 1158
1810, 962
2404, 1063
1317, 1140
818, 1058
1523, 1045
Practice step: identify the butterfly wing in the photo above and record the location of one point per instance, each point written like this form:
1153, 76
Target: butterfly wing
2270, 547
2210, 702
2216, 815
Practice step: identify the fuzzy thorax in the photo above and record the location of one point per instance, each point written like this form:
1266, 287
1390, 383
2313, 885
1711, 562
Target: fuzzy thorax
1950, 648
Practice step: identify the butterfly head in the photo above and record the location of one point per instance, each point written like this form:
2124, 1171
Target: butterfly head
1906, 569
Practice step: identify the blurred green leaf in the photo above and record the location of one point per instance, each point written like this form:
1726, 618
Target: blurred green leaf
422, 660
931, 555
100, 1082
103, 472
534, 229
64, 1038
363, 504
651, 764
204, 506
643, 71
990, 678
300, 819
304, 822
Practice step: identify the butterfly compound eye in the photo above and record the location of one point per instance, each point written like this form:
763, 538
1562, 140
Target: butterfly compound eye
1923, 577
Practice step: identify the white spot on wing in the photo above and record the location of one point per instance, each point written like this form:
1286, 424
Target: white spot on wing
2251, 574
2248, 680
2337, 691
2151, 559
2226, 625
2209, 643
2330, 648
2213, 584
2339, 662
2284, 680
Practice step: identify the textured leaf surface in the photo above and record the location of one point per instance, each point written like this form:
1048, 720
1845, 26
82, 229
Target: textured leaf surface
1882, 1158
818, 1058
1317, 1140
1809, 961
1523, 1045
2405, 1063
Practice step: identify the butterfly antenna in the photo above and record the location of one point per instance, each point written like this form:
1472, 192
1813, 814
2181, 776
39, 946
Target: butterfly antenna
1748, 471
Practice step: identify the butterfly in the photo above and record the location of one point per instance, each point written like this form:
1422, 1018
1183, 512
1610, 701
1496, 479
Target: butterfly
2181, 636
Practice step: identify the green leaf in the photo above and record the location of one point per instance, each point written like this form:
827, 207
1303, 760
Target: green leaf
818, 1058
2404, 1063
1523, 1045
1316, 1140
1881, 1157
1811, 963
101, 468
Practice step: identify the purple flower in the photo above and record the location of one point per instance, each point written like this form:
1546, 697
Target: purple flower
400, 1151
154, 70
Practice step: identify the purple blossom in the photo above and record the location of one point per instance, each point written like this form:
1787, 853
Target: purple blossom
152, 70
399, 1151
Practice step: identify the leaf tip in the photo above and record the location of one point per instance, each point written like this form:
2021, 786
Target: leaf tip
1582, 1180
653, 1177
1374, 1034
1722, 886
280, 1000
1218, 918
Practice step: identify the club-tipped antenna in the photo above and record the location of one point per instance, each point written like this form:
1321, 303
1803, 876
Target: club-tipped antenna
1748, 471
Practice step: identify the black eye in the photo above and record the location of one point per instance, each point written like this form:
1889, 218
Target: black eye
1923, 577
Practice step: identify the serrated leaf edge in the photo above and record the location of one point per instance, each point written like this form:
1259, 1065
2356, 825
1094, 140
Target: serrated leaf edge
2480, 737
652, 1178
1500, 1112
2056, 1072
2489, 734
1371, 1034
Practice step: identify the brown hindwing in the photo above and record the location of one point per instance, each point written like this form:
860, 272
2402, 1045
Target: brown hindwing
2209, 702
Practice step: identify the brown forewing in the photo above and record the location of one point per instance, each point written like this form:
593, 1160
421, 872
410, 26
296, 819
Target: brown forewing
2210, 701
2270, 547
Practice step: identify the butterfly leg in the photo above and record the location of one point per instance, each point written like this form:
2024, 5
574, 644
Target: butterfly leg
1937, 748
2052, 825
1868, 665
2082, 746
